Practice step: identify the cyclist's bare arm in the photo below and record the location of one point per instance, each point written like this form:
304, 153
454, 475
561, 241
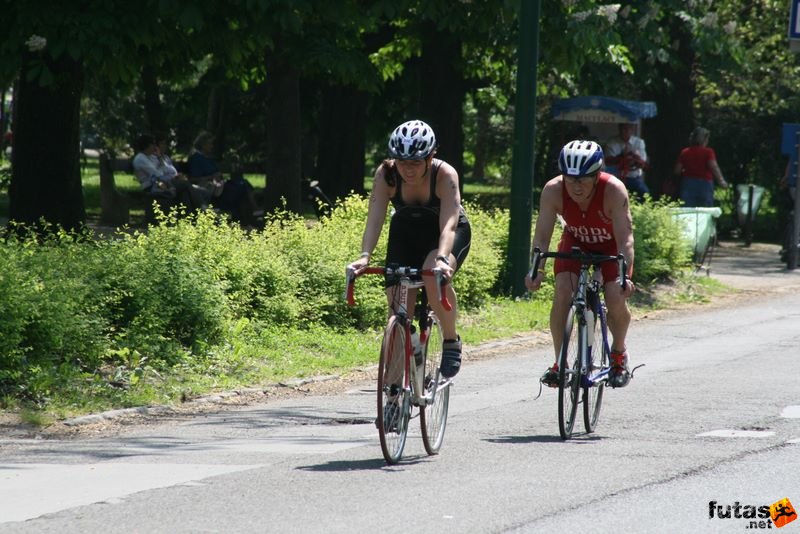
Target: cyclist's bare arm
549, 206
450, 201
378, 206
617, 206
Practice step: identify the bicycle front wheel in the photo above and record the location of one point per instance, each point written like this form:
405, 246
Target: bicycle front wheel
394, 402
569, 375
599, 360
433, 417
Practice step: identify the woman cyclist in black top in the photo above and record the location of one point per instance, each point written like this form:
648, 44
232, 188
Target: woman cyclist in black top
428, 227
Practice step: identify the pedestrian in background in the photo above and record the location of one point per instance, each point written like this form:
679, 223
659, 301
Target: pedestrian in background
697, 168
627, 153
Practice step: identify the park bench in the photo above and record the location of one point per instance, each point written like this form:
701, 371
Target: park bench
115, 205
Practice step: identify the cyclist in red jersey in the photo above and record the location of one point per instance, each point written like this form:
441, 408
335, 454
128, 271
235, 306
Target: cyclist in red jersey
594, 211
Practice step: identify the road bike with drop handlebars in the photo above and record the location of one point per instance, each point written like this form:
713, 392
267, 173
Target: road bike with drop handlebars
584, 359
409, 378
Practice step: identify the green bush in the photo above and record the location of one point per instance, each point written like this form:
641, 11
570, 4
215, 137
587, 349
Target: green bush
199, 295
485, 264
661, 248
49, 310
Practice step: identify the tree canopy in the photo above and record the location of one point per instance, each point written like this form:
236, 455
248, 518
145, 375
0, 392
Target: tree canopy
311, 87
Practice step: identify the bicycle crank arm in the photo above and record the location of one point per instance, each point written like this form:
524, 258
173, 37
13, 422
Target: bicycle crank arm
429, 399
602, 376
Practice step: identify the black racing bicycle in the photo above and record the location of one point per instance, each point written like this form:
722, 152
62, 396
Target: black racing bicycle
584, 360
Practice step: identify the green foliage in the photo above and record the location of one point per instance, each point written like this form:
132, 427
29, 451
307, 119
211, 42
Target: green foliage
165, 288
119, 319
49, 310
661, 249
485, 265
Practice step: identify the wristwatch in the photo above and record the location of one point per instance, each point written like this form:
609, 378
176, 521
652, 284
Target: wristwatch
443, 259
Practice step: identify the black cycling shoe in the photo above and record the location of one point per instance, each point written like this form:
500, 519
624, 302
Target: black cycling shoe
619, 376
550, 377
451, 358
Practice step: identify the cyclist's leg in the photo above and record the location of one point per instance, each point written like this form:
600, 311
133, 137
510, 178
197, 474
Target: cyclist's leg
400, 251
451, 346
619, 315
451, 355
619, 319
562, 300
565, 282
447, 318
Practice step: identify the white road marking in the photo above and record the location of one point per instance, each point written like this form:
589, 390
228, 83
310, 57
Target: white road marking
729, 433
791, 412
31, 490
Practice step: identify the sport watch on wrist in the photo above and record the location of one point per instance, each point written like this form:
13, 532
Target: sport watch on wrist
443, 259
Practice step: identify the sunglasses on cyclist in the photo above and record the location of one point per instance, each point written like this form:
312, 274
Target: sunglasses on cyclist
582, 180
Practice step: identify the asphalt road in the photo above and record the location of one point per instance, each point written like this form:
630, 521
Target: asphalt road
709, 428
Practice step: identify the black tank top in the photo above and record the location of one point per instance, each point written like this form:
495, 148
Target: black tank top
428, 211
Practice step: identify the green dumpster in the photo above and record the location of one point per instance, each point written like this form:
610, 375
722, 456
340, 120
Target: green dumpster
699, 228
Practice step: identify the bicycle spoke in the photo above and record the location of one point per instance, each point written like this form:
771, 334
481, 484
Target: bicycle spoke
433, 417
593, 395
393, 402
568, 377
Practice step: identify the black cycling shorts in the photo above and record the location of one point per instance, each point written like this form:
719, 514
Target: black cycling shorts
411, 241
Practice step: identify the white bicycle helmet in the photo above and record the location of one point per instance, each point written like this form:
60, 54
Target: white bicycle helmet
580, 158
412, 140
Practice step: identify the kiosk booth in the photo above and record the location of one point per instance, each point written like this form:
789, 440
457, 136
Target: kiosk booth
597, 118
600, 115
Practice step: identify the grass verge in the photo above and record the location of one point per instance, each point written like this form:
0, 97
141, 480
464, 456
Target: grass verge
282, 355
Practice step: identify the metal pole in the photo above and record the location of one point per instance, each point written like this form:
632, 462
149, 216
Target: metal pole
748, 230
792, 264
521, 211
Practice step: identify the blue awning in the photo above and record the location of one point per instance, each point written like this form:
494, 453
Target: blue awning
601, 109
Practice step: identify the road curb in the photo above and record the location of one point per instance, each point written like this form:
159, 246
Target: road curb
482, 350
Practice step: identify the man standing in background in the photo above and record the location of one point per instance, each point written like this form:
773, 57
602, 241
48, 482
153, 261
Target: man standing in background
628, 155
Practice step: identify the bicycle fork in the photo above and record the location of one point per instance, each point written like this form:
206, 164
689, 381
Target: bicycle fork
595, 354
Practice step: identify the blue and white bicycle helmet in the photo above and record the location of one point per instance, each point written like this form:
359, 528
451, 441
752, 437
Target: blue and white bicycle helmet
412, 140
580, 158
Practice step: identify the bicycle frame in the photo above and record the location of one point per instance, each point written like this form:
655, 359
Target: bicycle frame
579, 378
408, 278
587, 285
417, 388
592, 307
402, 316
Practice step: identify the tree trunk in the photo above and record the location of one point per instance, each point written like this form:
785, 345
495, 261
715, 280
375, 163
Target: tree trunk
669, 132
153, 109
481, 141
284, 155
442, 91
340, 159
46, 176
3, 124
215, 121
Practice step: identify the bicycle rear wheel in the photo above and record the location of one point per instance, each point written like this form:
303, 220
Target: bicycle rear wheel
394, 402
569, 376
433, 417
599, 359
